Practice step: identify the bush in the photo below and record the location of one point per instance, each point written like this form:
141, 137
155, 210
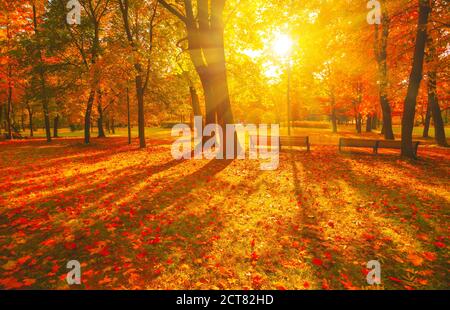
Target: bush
74, 127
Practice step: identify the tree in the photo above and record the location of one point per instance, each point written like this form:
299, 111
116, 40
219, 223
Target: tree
433, 101
205, 37
135, 42
381, 57
415, 78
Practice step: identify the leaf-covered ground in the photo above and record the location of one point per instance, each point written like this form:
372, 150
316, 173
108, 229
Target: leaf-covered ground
137, 219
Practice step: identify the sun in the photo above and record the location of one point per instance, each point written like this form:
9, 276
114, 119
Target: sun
282, 45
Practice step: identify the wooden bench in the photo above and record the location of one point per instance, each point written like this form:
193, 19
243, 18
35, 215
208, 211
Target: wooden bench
284, 141
396, 145
295, 141
374, 144
344, 142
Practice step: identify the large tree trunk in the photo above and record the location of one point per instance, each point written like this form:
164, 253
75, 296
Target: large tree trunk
409, 110
381, 55
426, 122
87, 117
433, 101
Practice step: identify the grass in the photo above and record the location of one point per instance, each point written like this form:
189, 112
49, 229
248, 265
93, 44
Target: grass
137, 219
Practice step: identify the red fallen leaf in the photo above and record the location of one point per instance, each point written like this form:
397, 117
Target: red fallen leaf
155, 240
48, 242
331, 223
368, 237
257, 280
325, 285
141, 255
280, 287
395, 279
439, 244
70, 245
104, 252
365, 271
28, 282
55, 268
430, 256
254, 256
10, 283
22, 260
306, 284
317, 261
252, 243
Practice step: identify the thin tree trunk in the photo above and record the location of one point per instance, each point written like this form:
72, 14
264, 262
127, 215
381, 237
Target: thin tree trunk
9, 111
409, 110
381, 55
141, 116
128, 116
87, 117
334, 119
426, 123
433, 101
369, 123
101, 131
55, 126
44, 94
30, 116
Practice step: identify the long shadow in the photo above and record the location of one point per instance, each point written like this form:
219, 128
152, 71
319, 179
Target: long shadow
365, 186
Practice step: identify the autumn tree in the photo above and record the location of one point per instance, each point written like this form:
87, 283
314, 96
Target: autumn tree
140, 39
204, 24
414, 81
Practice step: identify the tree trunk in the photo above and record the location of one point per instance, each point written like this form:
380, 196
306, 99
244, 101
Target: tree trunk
426, 122
374, 121
101, 131
44, 94
9, 112
30, 116
409, 110
369, 123
87, 117
108, 122
195, 101
55, 126
359, 123
141, 116
381, 55
128, 116
334, 119
433, 101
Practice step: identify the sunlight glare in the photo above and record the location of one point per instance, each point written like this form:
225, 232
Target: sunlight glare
282, 45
